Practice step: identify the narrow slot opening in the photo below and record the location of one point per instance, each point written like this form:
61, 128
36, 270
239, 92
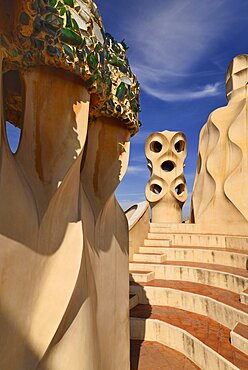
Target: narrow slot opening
13, 108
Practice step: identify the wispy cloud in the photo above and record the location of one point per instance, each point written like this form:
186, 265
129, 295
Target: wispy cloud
171, 40
133, 195
141, 137
137, 170
139, 158
185, 95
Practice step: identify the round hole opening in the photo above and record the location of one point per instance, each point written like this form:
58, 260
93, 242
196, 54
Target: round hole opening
156, 146
156, 189
180, 146
168, 166
13, 108
13, 136
180, 189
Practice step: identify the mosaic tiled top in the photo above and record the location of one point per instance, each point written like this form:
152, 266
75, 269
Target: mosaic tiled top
69, 34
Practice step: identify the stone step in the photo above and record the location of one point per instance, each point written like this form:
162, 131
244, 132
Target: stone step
202, 340
215, 256
149, 257
220, 305
244, 297
179, 228
225, 277
239, 337
153, 356
220, 249
141, 276
158, 235
183, 239
157, 243
200, 239
189, 239
133, 300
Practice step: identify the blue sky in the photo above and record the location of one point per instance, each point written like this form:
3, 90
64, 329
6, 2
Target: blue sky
180, 51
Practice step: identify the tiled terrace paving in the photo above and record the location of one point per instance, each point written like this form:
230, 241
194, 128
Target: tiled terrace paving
221, 295
152, 355
209, 332
188, 304
204, 266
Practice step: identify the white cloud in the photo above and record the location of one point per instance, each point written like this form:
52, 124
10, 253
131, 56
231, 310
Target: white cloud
171, 38
141, 137
141, 158
186, 94
133, 195
137, 170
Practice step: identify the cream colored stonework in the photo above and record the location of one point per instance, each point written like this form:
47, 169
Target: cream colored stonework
138, 217
220, 196
63, 236
166, 189
64, 280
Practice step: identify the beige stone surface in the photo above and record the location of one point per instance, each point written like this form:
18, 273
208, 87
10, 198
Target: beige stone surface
197, 235
63, 236
234, 282
239, 337
244, 297
166, 190
161, 243
220, 197
150, 257
180, 340
208, 255
226, 315
139, 276
138, 217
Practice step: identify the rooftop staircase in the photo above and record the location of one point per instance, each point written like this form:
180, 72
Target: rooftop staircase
189, 304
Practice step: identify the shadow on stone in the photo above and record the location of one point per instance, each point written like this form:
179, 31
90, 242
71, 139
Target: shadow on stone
138, 331
22, 354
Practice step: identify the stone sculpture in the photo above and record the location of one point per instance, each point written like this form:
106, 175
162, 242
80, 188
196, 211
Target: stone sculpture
220, 198
63, 236
166, 189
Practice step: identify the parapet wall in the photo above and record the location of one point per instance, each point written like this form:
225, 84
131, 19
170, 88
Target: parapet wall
139, 224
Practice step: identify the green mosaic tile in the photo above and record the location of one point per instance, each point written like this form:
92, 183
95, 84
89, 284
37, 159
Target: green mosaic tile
69, 34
